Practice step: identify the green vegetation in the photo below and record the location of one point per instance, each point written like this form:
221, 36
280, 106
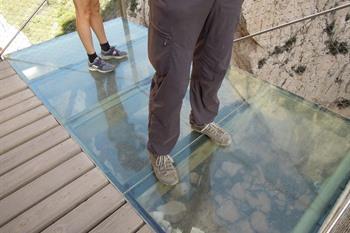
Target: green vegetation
342, 102
347, 17
330, 28
261, 63
300, 69
133, 5
288, 45
54, 19
335, 47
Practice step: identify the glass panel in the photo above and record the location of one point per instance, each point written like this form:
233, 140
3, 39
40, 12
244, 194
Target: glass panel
115, 135
285, 154
67, 51
71, 92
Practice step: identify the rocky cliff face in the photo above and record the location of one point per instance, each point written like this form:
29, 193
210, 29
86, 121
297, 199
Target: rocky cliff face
310, 59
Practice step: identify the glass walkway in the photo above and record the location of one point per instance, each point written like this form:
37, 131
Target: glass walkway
289, 161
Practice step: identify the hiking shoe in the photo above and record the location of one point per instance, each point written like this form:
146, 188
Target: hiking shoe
113, 53
164, 169
101, 66
215, 133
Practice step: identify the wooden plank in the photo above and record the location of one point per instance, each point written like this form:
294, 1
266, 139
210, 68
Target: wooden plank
4, 65
7, 72
58, 204
30, 170
30, 149
43, 186
15, 98
11, 85
26, 133
19, 108
90, 213
23, 120
123, 220
145, 229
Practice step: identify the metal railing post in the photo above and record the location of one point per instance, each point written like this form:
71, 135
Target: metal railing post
122, 8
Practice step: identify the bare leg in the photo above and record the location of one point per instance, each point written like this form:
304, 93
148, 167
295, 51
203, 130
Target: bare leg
83, 15
96, 21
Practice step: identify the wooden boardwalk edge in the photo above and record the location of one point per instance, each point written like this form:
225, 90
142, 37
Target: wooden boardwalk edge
47, 183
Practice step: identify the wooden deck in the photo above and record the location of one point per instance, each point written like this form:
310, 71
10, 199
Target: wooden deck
47, 184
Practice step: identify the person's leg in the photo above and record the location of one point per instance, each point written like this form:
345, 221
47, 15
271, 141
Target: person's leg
83, 13
211, 60
96, 22
173, 32
83, 16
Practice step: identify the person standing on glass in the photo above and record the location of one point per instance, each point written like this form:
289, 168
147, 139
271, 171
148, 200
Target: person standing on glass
88, 17
181, 33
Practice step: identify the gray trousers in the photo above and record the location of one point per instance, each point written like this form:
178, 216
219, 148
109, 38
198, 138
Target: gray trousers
182, 32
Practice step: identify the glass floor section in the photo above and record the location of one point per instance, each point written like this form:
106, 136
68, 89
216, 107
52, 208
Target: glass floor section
288, 162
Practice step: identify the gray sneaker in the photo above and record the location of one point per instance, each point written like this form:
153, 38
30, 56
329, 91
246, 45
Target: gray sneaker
113, 53
101, 66
215, 133
164, 169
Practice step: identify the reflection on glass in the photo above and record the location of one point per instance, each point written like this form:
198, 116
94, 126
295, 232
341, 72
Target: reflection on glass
116, 135
72, 92
67, 51
285, 151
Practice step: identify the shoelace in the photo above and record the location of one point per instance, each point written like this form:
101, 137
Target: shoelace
164, 162
100, 62
214, 129
115, 51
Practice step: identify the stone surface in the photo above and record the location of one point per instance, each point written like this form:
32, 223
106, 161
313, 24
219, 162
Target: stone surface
166, 226
230, 168
238, 191
259, 222
228, 211
157, 215
310, 59
138, 11
180, 190
245, 227
177, 230
173, 211
194, 178
196, 230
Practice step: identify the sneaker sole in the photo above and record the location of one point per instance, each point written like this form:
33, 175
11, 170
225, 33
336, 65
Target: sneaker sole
168, 184
217, 143
100, 71
160, 181
113, 57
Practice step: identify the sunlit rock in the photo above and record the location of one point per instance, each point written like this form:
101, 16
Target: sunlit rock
173, 211
259, 222
228, 211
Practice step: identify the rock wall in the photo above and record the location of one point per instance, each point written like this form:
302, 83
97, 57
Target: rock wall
310, 59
